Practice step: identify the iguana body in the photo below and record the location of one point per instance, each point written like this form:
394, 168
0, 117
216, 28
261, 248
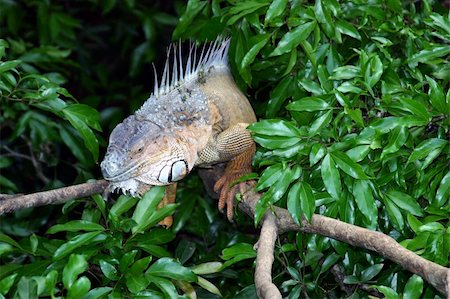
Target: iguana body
196, 117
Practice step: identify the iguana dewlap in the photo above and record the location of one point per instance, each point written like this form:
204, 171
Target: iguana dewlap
197, 116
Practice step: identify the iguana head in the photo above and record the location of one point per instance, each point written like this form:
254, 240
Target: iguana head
142, 152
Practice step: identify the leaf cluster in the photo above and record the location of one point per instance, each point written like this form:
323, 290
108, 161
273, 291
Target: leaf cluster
354, 99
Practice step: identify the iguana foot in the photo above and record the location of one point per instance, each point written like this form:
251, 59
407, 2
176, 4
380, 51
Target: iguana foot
237, 167
169, 197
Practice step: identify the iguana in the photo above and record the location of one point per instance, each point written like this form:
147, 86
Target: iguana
196, 117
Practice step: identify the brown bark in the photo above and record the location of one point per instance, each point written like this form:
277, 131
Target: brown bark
264, 259
12, 203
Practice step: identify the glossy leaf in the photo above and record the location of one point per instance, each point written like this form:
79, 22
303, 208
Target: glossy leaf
414, 287
146, 208
275, 9
309, 104
365, 201
169, 268
331, 177
405, 202
77, 264
293, 38
348, 165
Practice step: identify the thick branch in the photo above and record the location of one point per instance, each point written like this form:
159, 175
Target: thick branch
354, 235
12, 203
264, 259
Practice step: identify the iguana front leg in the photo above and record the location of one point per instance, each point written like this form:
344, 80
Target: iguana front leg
169, 197
236, 146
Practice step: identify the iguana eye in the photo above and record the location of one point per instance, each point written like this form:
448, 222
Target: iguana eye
140, 149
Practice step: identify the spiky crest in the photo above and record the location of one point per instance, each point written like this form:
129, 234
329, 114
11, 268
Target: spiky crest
212, 54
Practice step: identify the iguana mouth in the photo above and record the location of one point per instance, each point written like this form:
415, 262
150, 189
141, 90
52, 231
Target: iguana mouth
118, 177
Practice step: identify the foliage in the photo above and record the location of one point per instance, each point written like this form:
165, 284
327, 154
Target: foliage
354, 106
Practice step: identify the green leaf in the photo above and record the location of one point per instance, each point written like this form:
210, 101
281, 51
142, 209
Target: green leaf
388, 292
293, 38
74, 226
405, 202
432, 227
428, 55
87, 114
374, 70
193, 8
371, 272
416, 108
348, 165
345, 72
6, 283
79, 288
146, 208
425, 147
276, 8
97, 293
413, 288
169, 268
123, 204
437, 97
317, 152
76, 242
322, 121
347, 29
307, 200
165, 285
205, 284
331, 177
365, 201
78, 122
329, 261
126, 260
237, 253
275, 127
269, 176
394, 214
358, 153
207, 268
293, 203
76, 265
443, 192
278, 95
396, 139
311, 86
308, 104
258, 42
6, 239
8, 65
109, 270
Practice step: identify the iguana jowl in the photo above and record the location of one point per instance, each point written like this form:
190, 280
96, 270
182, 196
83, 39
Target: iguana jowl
197, 116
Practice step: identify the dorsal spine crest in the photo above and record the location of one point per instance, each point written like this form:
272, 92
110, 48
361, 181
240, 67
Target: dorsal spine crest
214, 54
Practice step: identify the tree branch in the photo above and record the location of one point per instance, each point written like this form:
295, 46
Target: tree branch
12, 203
437, 275
264, 259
